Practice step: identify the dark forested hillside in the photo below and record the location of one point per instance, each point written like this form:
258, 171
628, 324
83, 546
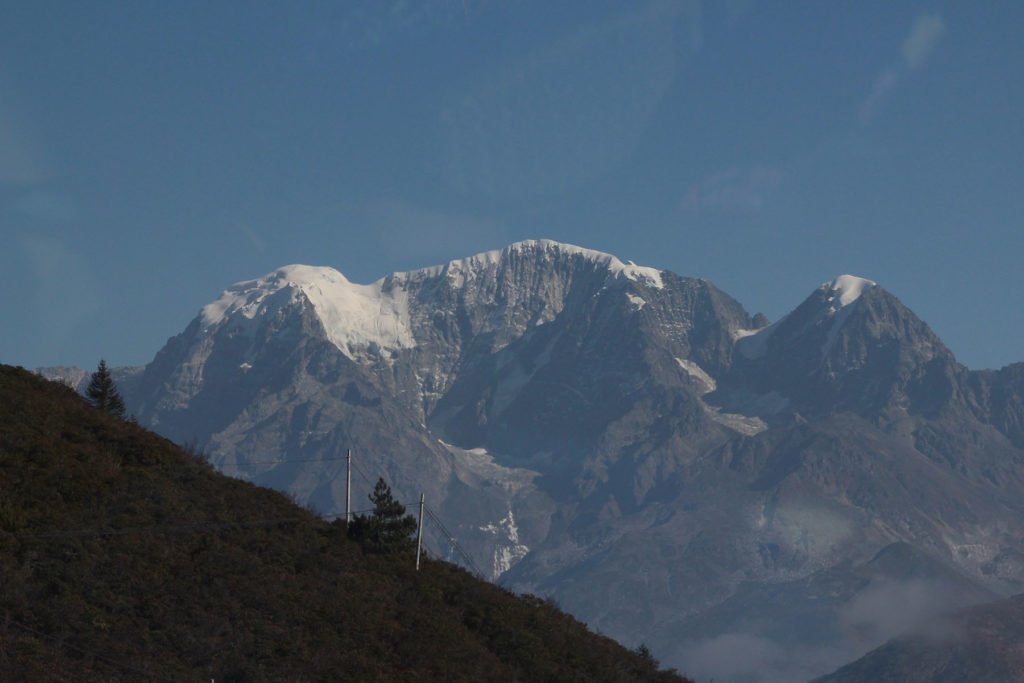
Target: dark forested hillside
121, 556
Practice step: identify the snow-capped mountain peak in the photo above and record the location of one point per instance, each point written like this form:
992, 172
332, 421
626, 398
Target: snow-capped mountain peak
376, 316
563, 413
548, 249
354, 316
842, 292
848, 288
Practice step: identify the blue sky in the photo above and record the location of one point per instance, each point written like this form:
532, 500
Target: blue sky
153, 153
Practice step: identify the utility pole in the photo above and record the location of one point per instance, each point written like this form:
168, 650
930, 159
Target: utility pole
348, 486
419, 535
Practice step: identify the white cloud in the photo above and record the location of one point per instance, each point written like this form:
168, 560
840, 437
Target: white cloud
757, 659
924, 36
887, 608
369, 25
63, 291
20, 159
254, 238
883, 84
884, 609
735, 189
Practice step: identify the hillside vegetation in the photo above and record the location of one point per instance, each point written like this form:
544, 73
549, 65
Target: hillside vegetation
124, 557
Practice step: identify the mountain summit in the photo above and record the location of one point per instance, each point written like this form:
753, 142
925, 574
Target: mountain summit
851, 345
354, 317
628, 440
848, 288
364, 321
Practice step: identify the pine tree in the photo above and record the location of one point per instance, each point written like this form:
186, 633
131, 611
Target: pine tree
387, 529
103, 393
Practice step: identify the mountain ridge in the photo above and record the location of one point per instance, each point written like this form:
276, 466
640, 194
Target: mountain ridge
573, 416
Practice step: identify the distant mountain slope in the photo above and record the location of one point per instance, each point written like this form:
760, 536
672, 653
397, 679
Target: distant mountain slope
630, 441
121, 557
984, 643
420, 371
850, 345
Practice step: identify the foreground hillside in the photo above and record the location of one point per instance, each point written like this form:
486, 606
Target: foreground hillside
121, 556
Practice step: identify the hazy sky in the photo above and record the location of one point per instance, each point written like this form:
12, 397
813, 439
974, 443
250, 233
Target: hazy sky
154, 153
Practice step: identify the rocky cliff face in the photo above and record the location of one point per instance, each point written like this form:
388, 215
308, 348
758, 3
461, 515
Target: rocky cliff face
629, 441
483, 382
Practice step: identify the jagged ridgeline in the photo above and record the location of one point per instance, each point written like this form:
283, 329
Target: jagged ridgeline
124, 557
671, 469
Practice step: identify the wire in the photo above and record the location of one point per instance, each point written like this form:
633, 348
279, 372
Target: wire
339, 515
431, 515
88, 653
355, 465
277, 462
86, 533
359, 471
451, 539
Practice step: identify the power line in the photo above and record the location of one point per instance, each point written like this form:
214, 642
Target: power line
433, 518
339, 515
277, 462
359, 470
451, 539
288, 462
465, 555
86, 533
83, 533
82, 651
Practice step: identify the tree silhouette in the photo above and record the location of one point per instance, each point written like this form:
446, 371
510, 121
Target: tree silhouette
387, 529
103, 393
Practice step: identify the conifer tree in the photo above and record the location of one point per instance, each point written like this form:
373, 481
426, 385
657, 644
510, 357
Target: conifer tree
102, 391
387, 529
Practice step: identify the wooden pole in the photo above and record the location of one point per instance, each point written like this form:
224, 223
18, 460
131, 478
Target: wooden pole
419, 535
348, 486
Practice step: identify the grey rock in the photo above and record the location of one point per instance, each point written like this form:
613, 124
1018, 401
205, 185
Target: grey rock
634, 444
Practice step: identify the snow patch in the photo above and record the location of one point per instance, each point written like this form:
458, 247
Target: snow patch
356, 317
842, 292
459, 270
744, 424
636, 301
754, 343
507, 552
477, 467
698, 373
848, 288
365, 320
741, 334
740, 423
